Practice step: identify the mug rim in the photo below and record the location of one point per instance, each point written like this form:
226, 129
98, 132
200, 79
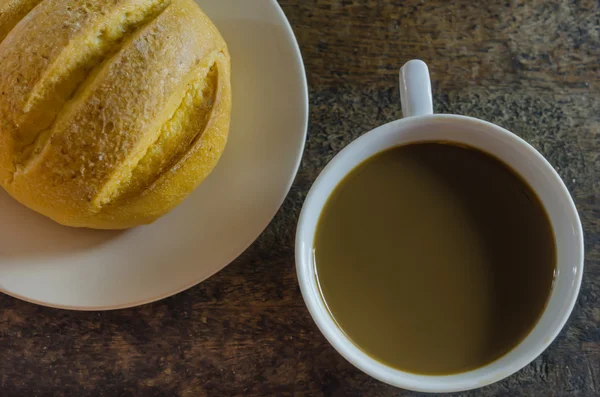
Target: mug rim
388, 374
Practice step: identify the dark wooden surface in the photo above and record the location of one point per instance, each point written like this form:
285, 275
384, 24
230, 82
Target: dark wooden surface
531, 66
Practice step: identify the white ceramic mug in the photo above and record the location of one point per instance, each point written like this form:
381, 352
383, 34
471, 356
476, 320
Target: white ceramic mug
420, 124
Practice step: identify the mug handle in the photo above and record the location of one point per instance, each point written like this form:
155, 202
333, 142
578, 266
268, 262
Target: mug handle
415, 89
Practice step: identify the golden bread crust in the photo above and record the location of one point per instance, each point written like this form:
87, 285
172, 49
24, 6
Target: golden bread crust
111, 112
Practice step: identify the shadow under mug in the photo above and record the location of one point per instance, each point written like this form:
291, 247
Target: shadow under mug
418, 125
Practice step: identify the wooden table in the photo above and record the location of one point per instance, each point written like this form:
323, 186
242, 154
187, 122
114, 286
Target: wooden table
531, 66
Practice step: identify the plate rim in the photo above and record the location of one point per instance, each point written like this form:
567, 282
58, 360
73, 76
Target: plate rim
305, 99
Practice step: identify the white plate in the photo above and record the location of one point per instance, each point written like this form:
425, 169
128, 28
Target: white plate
48, 264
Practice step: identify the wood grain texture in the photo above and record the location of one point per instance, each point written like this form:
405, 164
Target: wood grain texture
530, 66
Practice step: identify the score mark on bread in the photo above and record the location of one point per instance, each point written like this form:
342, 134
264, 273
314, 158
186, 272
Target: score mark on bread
111, 112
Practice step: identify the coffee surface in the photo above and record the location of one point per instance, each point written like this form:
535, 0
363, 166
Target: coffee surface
435, 258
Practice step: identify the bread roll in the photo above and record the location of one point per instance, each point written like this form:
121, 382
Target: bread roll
111, 111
